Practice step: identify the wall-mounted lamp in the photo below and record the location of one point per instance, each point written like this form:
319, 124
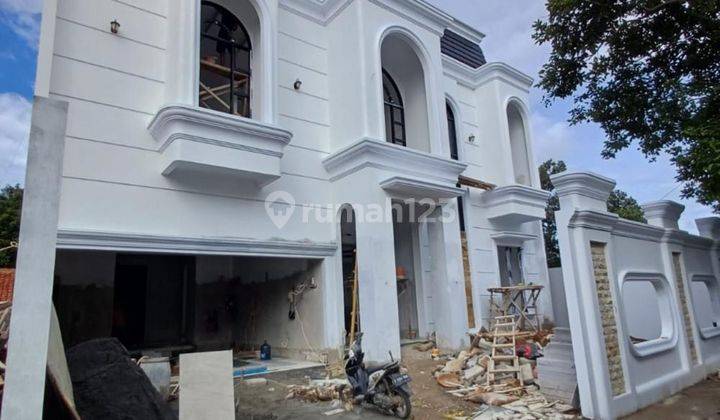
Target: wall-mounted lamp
114, 26
471, 139
297, 84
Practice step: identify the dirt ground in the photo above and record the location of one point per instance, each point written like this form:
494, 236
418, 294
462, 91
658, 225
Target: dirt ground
700, 401
267, 402
430, 401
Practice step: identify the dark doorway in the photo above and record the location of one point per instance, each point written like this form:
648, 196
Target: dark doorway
349, 256
129, 304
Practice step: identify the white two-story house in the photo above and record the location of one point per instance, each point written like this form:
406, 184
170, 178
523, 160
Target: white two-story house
229, 163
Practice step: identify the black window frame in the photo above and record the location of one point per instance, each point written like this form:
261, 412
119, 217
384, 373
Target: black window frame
221, 16
392, 100
455, 155
452, 132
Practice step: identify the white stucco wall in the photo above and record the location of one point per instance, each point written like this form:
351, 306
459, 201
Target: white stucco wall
116, 84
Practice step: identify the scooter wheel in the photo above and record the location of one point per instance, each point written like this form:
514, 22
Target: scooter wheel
403, 410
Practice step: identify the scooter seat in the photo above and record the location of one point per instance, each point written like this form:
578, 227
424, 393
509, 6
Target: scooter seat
372, 367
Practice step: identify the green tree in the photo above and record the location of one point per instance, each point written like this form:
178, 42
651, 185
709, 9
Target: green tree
625, 206
552, 250
619, 202
647, 71
10, 206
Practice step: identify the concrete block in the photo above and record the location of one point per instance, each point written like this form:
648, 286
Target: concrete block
206, 386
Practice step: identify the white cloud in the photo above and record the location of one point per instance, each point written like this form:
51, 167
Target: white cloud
23, 18
21, 6
15, 112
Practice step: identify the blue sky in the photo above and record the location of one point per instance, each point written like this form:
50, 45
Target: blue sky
507, 26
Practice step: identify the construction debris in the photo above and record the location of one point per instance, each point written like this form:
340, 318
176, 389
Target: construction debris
5, 309
321, 390
492, 372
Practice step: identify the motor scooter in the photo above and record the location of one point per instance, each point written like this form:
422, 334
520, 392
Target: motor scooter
382, 385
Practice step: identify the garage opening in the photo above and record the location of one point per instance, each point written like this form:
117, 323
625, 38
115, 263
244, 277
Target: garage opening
170, 304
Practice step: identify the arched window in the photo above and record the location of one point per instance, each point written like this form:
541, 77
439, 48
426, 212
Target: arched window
452, 131
452, 136
394, 111
225, 52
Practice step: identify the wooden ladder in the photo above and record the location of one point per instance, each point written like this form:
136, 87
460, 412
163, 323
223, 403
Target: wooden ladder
504, 332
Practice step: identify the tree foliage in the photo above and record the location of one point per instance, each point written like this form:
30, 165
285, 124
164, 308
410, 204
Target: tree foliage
647, 71
625, 206
552, 249
619, 202
10, 207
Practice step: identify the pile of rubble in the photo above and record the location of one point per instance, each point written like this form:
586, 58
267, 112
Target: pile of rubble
5, 309
321, 390
465, 375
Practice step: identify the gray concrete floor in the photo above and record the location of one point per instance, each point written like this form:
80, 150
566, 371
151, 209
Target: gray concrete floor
267, 402
699, 402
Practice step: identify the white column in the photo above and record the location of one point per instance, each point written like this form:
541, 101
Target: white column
333, 306
450, 303
32, 300
377, 284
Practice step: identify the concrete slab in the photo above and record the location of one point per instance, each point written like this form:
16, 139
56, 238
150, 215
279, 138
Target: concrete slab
206, 386
253, 367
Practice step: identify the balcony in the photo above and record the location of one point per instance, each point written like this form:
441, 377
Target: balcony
400, 171
515, 204
195, 139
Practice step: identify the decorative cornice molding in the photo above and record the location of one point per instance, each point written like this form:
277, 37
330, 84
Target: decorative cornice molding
508, 238
233, 143
515, 193
638, 230
380, 154
663, 213
474, 78
133, 242
405, 187
318, 11
161, 126
591, 219
587, 184
709, 227
514, 204
698, 242
214, 142
419, 12
614, 224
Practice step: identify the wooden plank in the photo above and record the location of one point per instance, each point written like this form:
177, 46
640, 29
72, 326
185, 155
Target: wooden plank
475, 183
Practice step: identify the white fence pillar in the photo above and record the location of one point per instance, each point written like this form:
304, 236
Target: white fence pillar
663, 213
623, 277
588, 290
